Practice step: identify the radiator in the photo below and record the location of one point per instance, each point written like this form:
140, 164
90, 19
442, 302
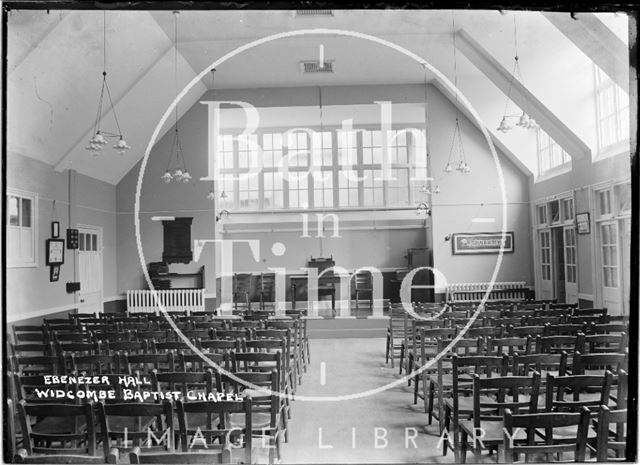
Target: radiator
173, 300
472, 292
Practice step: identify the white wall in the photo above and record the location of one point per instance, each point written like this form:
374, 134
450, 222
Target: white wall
29, 292
461, 197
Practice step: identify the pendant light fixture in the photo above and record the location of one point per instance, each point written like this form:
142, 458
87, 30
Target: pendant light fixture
99, 138
524, 120
424, 189
180, 173
456, 142
423, 208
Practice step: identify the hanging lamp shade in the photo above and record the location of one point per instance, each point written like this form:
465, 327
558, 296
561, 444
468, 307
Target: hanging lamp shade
504, 126
99, 139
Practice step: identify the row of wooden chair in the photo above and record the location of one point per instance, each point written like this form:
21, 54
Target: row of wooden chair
573, 420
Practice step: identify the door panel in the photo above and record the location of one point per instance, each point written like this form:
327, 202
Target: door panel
570, 265
546, 274
610, 267
89, 298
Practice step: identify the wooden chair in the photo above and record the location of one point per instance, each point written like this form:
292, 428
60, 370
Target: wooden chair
140, 423
26, 387
413, 335
509, 345
37, 365
598, 363
218, 345
146, 363
188, 383
293, 365
559, 343
395, 334
607, 439
195, 362
491, 398
524, 331
424, 348
76, 439
31, 349
131, 347
267, 284
571, 393
287, 371
167, 346
242, 290
525, 365
93, 364
294, 326
363, 284
607, 328
486, 331
463, 370
227, 436
441, 379
546, 447
603, 343
569, 329
268, 409
29, 333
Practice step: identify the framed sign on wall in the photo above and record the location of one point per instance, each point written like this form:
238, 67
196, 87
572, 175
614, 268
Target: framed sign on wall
583, 223
482, 243
55, 251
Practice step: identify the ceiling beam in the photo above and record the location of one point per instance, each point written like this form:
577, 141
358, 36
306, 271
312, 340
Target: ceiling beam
444, 90
521, 96
596, 41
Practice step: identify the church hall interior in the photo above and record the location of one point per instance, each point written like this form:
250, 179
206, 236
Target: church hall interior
245, 235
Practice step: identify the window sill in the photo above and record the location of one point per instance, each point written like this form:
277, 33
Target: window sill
619, 148
553, 172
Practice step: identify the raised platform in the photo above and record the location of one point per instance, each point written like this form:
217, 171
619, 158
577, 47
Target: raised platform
330, 328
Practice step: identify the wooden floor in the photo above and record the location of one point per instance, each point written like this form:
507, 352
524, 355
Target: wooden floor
322, 432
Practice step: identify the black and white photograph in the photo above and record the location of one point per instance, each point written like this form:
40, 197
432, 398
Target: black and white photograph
248, 233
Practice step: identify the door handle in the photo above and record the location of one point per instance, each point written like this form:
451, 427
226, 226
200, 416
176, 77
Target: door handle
81, 301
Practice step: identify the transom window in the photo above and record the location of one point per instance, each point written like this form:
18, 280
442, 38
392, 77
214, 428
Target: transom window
612, 107
550, 154
613, 201
21, 229
302, 168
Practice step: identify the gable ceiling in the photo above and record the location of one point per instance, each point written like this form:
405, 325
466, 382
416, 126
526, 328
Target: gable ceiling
55, 64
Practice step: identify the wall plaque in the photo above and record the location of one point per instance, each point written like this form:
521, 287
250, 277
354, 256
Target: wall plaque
482, 243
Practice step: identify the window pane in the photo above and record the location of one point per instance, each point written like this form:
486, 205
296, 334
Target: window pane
623, 197
13, 211
26, 213
81, 241
555, 211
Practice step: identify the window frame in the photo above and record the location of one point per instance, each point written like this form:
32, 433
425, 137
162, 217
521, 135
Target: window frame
336, 168
602, 84
546, 151
33, 197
